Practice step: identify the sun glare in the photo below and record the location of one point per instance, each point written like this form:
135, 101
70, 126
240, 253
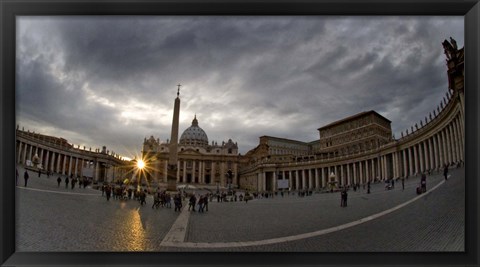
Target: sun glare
140, 164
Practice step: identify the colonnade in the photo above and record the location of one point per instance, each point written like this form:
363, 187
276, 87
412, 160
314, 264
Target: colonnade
429, 149
54, 158
207, 172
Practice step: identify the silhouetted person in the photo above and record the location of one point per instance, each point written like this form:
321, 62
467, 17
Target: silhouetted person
445, 172
423, 182
66, 182
26, 176
59, 180
108, 192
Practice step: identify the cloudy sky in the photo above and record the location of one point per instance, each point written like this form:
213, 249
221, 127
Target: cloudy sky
112, 80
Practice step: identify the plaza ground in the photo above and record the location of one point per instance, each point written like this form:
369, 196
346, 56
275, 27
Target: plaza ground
51, 218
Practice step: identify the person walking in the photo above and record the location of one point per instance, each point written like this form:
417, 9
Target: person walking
403, 183
59, 180
342, 197
66, 182
143, 196
200, 204
191, 202
423, 182
368, 187
445, 172
345, 197
205, 203
26, 176
177, 200
108, 191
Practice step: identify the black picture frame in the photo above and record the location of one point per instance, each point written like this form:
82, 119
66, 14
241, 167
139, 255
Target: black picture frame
9, 9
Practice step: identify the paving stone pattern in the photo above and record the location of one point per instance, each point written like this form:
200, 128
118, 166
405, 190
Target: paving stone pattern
51, 218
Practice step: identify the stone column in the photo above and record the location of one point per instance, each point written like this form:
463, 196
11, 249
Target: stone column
297, 180
274, 181
222, 173
453, 153
76, 167
354, 171
30, 152
52, 162
362, 179
436, 153
58, 163
47, 161
201, 178
70, 165
455, 140
165, 171
447, 144
95, 170
416, 159
394, 164
264, 181
20, 144
409, 160
452, 142
426, 155
41, 157
430, 150
459, 139
193, 170
83, 165
63, 163
317, 179
324, 178
367, 172
441, 145
461, 133
438, 150
304, 180
290, 178
310, 179
374, 169
25, 154
184, 174
420, 156
385, 167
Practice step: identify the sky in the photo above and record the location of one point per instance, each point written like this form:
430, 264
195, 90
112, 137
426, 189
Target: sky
112, 81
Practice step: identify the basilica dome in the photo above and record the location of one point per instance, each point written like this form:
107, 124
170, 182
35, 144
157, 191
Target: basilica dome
194, 135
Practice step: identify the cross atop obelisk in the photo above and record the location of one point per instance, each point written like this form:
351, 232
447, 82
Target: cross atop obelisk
178, 92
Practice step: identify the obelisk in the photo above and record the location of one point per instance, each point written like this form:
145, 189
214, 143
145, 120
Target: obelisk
173, 147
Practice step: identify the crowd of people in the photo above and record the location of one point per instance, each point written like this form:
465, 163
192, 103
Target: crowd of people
163, 199
73, 180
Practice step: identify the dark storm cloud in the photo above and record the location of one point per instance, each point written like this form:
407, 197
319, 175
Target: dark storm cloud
112, 80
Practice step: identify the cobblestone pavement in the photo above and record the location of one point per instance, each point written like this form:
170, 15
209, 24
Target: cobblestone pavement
59, 219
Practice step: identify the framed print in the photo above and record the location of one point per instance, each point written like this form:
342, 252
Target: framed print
252, 133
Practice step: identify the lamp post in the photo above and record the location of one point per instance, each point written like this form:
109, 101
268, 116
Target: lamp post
229, 179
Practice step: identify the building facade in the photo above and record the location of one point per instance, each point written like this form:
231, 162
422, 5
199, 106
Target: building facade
361, 149
55, 155
199, 161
